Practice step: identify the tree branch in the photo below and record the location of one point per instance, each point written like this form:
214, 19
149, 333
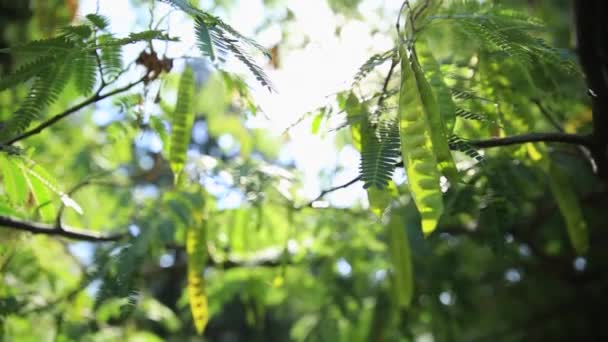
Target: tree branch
533, 137
68, 232
330, 190
592, 45
93, 99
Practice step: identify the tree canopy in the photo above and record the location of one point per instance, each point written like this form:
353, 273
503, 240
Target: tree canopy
145, 194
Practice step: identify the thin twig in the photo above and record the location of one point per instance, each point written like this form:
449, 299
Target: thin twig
548, 115
389, 75
330, 190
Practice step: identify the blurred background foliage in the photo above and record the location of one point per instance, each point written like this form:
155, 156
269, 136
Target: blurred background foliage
500, 267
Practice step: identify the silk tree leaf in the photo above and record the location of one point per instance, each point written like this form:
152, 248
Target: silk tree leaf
417, 149
205, 44
380, 151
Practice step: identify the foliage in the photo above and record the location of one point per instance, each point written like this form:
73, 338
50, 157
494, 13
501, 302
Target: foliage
141, 201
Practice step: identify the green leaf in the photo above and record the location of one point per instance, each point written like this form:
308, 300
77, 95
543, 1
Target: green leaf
459, 144
185, 6
99, 21
380, 150
566, 199
399, 247
417, 146
379, 200
39, 176
25, 72
372, 63
45, 90
85, 72
357, 115
111, 55
204, 38
181, 122
76, 33
6, 210
15, 184
316, 122
44, 47
42, 196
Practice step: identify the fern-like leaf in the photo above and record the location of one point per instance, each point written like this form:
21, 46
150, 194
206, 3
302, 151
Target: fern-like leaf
43, 47
458, 144
120, 276
372, 63
76, 33
99, 21
45, 90
468, 115
85, 72
216, 39
510, 32
242, 38
246, 59
183, 5
25, 72
204, 38
379, 155
111, 56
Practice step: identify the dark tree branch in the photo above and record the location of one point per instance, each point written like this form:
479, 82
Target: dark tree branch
591, 33
68, 232
533, 137
93, 99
